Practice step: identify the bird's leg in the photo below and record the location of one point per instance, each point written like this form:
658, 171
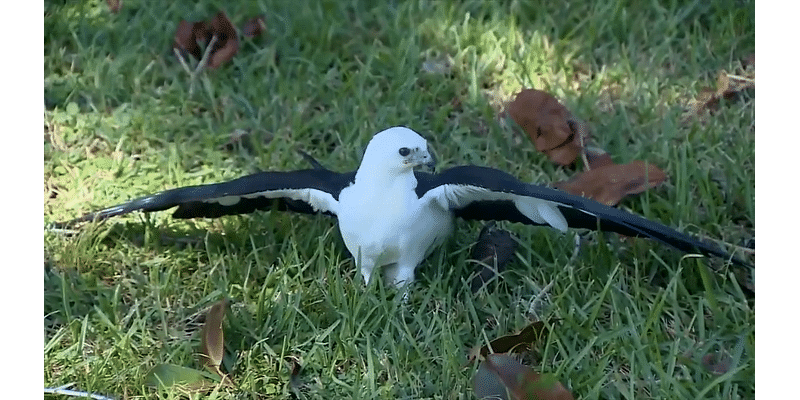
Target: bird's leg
366, 270
399, 275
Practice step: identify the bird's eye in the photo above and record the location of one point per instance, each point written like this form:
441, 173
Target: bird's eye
404, 151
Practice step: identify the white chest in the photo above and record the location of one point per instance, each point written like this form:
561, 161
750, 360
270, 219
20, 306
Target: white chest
390, 225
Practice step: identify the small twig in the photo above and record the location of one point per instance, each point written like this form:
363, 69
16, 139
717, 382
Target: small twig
182, 60
185, 68
741, 78
542, 293
578, 239
742, 249
62, 231
200, 66
583, 153
75, 393
206, 55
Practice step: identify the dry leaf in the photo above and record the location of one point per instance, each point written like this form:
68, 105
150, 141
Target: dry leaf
212, 341
227, 44
728, 87
293, 363
551, 127
184, 38
494, 249
749, 61
187, 36
517, 343
610, 183
596, 157
114, 5
225, 47
238, 137
248, 140
717, 363
502, 377
254, 27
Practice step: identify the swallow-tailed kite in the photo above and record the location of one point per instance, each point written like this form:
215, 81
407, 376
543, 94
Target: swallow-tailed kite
392, 216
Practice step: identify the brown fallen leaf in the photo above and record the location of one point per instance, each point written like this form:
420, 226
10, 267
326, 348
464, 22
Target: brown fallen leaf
187, 36
184, 38
596, 157
223, 48
254, 27
516, 343
716, 363
114, 5
239, 137
494, 249
749, 61
213, 339
227, 40
502, 377
551, 127
729, 86
293, 363
610, 183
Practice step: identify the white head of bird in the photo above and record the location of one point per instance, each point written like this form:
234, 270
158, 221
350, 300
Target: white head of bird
394, 151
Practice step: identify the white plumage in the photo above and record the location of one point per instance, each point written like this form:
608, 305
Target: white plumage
382, 221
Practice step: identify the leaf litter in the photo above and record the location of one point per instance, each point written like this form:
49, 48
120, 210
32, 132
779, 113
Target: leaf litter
212, 351
494, 250
552, 128
213, 42
515, 343
500, 376
556, 132
609, 183
729, 86
212, 341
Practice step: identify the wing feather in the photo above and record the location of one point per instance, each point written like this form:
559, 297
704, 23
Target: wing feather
306, 191
482, 193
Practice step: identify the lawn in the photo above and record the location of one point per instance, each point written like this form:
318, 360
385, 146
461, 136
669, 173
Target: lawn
123, 119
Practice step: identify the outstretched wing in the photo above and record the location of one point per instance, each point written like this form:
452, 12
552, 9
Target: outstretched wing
307, 191
481, 193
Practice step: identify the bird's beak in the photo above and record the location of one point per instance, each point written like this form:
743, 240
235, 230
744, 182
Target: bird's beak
430, 160
421, 157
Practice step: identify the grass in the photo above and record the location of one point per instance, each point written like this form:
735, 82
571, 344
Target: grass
637, 319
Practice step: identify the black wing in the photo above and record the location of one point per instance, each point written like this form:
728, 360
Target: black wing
578, 211
305, 191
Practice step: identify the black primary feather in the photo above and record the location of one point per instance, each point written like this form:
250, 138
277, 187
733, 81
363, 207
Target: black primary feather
196, 201
579, 212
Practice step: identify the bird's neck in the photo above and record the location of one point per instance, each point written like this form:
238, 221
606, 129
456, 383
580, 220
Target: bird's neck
382, 181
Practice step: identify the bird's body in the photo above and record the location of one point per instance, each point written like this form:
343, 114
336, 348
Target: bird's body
392, 216
382, 220
379, 228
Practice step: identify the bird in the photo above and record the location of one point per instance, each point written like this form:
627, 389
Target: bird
392, 215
